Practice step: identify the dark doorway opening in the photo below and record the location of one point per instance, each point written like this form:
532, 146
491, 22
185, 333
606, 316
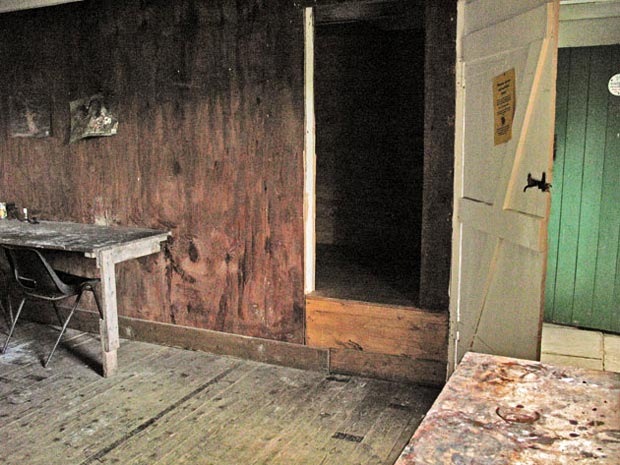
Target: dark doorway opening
369, 103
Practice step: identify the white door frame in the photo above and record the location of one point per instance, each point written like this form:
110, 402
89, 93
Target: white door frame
457, 233
309, 155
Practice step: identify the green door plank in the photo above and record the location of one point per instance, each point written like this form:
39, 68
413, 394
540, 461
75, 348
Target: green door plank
613, 147
561, 113
592, 187
614, 324
571, 189
583, 273
609, 224
607, 314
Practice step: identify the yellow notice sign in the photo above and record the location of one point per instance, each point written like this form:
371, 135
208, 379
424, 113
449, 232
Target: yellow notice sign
504, 105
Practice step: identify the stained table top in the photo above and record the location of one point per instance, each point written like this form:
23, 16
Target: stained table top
73, 237
499, 410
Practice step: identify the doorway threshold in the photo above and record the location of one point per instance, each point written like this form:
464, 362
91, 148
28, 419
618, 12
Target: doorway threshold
388, 341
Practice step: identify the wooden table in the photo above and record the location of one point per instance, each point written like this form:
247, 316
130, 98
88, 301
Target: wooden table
501, 411
108, 245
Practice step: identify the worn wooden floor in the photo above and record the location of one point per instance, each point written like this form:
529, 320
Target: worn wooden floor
170, 406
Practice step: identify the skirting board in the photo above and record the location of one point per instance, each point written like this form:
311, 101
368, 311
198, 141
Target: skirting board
215, 342
264, 350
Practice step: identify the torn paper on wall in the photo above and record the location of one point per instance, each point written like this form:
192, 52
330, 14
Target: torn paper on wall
90, 117
30, 115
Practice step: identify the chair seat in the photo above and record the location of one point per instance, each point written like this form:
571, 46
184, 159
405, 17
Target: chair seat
73, 283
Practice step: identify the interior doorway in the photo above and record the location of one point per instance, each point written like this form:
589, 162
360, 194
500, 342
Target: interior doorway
369, 113
377, 229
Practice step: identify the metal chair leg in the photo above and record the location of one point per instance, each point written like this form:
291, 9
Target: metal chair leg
19, 310
64, 328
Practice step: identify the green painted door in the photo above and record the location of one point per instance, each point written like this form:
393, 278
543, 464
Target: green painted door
583, 274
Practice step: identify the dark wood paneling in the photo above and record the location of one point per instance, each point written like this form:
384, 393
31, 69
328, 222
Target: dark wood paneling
440, 94
210, 101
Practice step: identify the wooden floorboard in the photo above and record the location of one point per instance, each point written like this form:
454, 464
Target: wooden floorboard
172, 406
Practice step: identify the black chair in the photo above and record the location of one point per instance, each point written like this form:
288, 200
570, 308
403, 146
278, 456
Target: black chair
36, 279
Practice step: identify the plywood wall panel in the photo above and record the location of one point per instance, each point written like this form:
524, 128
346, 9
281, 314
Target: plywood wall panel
210, 101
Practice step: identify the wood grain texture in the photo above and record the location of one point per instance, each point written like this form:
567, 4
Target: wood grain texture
210, 146
438, 190
389, 367
376, 328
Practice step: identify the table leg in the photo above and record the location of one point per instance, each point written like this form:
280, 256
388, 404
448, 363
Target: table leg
108, 328
110, 363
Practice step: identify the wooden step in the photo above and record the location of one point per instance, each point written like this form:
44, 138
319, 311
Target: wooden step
387, 341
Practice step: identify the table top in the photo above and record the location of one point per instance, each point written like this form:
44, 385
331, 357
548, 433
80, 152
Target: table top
73, 237
499, 410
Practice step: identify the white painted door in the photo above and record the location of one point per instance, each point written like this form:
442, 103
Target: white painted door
499, 247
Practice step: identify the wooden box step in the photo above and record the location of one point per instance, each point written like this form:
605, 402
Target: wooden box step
387, 341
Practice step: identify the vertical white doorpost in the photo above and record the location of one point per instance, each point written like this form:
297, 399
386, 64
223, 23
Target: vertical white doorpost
309, 154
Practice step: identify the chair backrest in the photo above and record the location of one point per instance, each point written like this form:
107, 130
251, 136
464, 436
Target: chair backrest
33, 273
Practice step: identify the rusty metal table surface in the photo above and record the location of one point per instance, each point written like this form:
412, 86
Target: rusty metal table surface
499, 410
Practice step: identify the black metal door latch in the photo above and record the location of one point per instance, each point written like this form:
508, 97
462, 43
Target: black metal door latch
542, 184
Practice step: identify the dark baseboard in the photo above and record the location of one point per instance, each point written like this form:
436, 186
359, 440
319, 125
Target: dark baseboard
393, 368
234, 345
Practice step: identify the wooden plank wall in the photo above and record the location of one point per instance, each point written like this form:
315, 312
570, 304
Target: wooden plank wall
583, 277
210, 146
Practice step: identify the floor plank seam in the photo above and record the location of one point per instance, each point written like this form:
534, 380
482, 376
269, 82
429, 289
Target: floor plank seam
106, 450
